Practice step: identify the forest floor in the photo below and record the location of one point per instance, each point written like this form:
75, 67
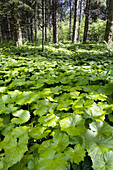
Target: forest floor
56, 107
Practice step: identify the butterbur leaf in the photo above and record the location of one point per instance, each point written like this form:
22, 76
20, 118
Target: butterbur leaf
33, 164
78, 104
75, 155
74, 94
104, 162
101, 97
95, 112
64, 105
21, 133
97, 144
49, 120
22, 164
73, 125
39, 132
23, 116
50, 160
14, 155
3, 89
1, 162
48, 144
15, 145
6, 98
2, 107
42, 110
61, 140
101, 128
41, 107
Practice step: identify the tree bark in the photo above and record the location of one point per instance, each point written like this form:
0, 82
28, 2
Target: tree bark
36, 22
87, 15
17, 31
16, 25
55, 20
50, 20
80, 16
70, 16
43, 26
9, 29
46, 6
0, 32
75, 22
109, 25
31, 29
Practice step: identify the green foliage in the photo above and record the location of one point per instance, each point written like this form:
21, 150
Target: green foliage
56, 107
97, 30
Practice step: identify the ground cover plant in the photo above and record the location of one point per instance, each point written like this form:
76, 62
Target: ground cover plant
56, 107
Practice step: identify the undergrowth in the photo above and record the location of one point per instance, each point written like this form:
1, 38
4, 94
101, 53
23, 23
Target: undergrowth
56, 107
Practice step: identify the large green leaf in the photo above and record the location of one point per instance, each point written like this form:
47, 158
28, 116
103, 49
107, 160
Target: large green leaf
73, 125
101, 97
75, 155
50, 160
15, 145
104, 162
6, 98
3, 89
61, 140
39, 132
23, 116
1, 162
64, 105
95, 112
101, 128
48, 144
97, 144
49, 120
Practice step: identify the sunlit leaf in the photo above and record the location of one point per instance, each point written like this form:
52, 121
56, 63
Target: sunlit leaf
73, 125
49, 120
23, 116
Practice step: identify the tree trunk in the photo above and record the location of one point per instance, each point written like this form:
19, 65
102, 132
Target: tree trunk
46, 19
109, 25
43, 26
55, 20
75, 22
17, 31
50, 20
28, 29
80, 16
86, 27
36, 22
31, 29
70, 16
0, 32
9, 29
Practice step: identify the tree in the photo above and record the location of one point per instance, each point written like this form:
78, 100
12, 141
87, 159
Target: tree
87, 14
0, 24
70, 17
55, 20
43, 24
109, 25
75, 22
80, 16
36, 21
16, 22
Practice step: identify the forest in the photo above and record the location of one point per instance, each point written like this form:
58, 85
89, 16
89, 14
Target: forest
56, 84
